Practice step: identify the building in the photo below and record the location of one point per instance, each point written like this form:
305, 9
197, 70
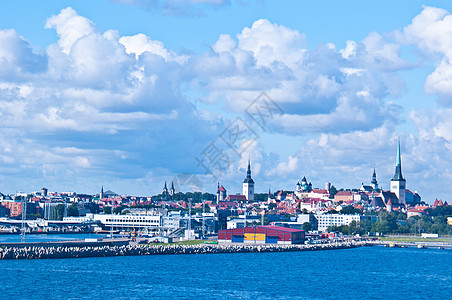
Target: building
412, 198
262, 235
130, 221
221, 193
326, 220
172, 190
308, 218
165, 190
398, 183
14, 208
241, 222
248, 185
344, 196
374, 183
240, 198
414, 212
302, 189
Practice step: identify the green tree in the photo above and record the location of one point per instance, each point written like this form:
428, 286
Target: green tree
333, 191
72, 210
107, 210
307, 226
58, 212
119, 209
350, 210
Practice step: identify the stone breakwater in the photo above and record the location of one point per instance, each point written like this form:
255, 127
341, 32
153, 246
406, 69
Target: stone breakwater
35, 252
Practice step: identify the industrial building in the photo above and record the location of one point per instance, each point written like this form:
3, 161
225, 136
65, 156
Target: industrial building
262, 235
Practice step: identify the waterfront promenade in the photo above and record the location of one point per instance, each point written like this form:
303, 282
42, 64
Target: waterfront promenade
103, 250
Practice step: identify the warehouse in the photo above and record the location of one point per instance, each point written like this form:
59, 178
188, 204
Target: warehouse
262, 235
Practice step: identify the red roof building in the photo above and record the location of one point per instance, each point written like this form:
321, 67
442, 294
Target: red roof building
262, 235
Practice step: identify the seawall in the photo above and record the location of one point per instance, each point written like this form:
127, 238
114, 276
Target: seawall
52, 252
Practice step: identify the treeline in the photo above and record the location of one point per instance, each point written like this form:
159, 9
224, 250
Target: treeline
435, 221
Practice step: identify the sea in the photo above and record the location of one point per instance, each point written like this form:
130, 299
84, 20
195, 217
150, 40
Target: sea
360, 273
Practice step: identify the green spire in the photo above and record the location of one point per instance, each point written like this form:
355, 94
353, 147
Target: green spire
398, 169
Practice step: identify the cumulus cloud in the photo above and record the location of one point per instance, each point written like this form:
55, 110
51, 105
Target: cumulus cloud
431, 32
18, 61
99, 105
96, 93
320, 89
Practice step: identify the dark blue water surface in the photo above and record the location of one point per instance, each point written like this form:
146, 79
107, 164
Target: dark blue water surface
361, 273
32, 238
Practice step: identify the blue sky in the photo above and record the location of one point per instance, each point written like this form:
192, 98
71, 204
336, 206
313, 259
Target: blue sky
129, 93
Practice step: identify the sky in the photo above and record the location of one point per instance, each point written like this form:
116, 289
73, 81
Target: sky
129, 94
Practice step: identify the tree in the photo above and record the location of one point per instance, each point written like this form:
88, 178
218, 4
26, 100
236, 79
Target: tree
72, 210
307, 226
93, 208
333, 191
58, 212
107, 210
118, 210
350, 210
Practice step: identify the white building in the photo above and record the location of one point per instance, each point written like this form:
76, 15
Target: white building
248, 185
326, 220
130, 221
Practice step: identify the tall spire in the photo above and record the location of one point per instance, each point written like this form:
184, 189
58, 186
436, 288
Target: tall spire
248, 173
398, 168
248, 178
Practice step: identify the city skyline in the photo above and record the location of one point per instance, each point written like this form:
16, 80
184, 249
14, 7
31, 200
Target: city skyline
129, 94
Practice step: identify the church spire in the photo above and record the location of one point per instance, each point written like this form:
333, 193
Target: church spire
398, 168
374, 182
248, 178
248, 173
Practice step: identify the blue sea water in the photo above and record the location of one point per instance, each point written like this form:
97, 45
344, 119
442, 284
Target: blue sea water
32, 238
361, 273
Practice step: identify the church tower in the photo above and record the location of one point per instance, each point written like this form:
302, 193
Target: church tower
398, 184
248, 185
221, 193
101, 195
374, 183
165, 190
172, 190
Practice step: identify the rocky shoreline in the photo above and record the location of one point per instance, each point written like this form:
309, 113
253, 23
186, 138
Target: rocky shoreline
55, 252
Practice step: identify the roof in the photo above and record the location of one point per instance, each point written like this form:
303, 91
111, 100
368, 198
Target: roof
321, 191
234, 197
280, 228
227, 203
344, 193
415, 210
377, 202
221, 189
110, 193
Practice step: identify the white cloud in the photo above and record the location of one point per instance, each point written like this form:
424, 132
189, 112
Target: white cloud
431, 31
140, 43
271, 43
100, 101
70, 27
